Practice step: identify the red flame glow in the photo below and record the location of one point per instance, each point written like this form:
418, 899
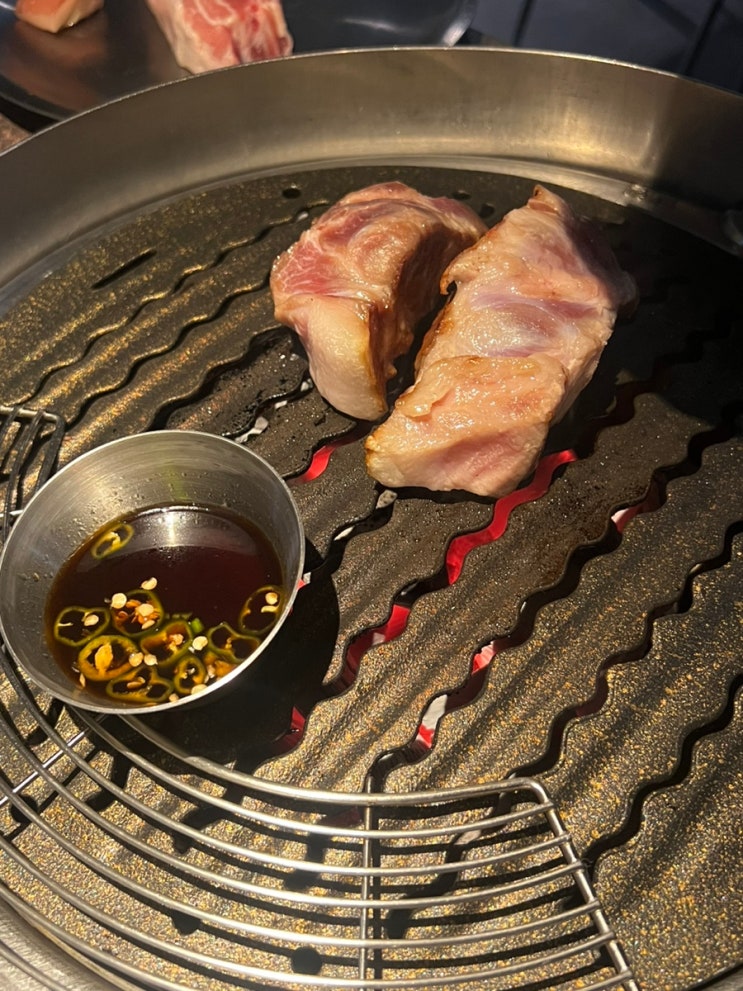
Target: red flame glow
397, 621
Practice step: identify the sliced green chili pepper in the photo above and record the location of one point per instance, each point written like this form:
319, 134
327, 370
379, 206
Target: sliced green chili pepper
75, 625
142, 611
142, 686
216, 665
189, 672
170, 642
261, 610
106, 657
112, 540
230, 644
148, 656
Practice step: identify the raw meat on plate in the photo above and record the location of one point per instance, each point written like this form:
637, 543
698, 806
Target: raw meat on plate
355, 285
214, 34
535, 303
54, 15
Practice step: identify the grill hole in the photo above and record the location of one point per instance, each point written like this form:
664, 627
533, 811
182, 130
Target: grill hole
102, 799
185, 924
37, 736
305, 960
125, 269
19, 816
291, 192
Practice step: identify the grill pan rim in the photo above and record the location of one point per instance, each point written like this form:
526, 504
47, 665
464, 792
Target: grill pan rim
42, 144
583, 114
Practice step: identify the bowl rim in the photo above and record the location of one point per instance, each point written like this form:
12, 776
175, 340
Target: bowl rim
76, 698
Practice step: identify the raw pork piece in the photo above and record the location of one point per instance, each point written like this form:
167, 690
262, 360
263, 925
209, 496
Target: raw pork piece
535, 303
355, 285
214, 34
54, 15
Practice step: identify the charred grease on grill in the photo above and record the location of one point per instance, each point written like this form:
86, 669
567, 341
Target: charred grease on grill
159, 604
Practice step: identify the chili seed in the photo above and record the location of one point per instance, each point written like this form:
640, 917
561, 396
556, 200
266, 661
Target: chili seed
103, 657
149, 584
118, 601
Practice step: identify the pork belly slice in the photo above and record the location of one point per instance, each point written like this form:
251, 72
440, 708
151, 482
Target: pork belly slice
215, 34
535, 303
54, 15
355, 285
470, 422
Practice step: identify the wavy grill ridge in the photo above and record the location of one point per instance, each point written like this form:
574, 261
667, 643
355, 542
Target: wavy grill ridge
135, 331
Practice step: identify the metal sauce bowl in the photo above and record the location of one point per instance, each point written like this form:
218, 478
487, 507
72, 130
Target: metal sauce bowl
176, 467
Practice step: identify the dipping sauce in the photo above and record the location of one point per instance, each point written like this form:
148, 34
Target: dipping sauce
158, 605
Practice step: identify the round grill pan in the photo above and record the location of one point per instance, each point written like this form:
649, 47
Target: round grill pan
149, 192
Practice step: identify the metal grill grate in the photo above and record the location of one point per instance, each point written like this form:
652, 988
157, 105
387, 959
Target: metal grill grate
477, 887
466, 887
29, 446
214, 853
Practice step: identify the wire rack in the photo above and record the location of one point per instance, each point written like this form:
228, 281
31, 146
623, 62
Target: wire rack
472, 887
29, 445
158, 868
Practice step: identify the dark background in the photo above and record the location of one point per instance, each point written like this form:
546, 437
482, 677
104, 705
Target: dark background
698, 38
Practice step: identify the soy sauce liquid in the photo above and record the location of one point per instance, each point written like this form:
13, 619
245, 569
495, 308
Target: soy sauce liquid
207, 562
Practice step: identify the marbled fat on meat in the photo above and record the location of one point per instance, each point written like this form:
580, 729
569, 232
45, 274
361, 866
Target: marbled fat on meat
355, 285
535, 303
215, 34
